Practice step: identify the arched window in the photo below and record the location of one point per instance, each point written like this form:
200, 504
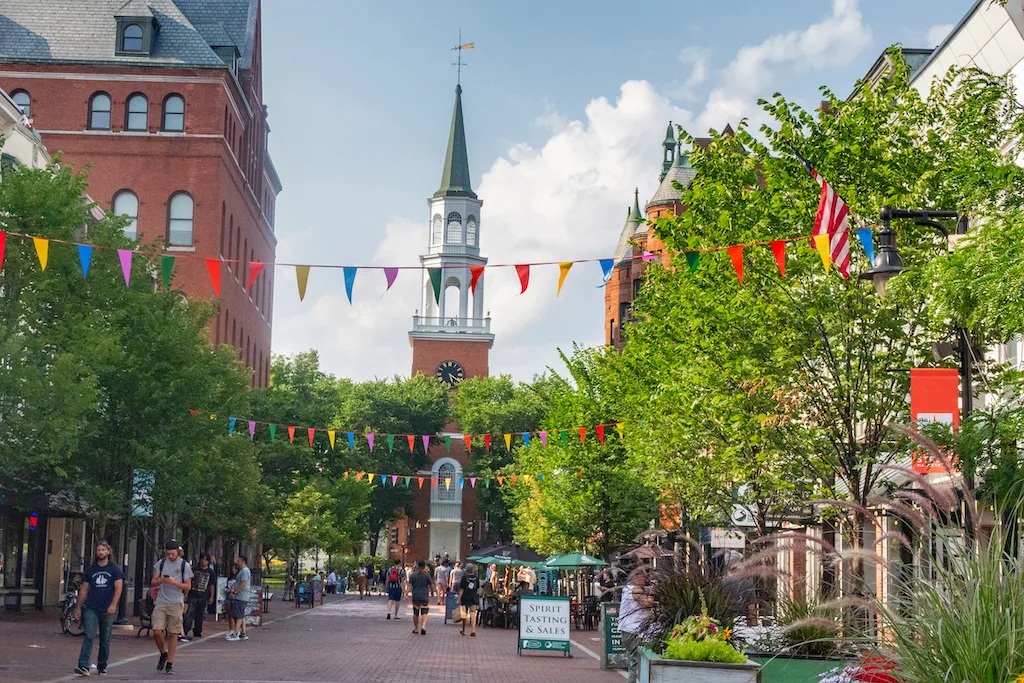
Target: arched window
131, 40
436, 229
179, 220
99, 111
448, 492
136, 112
174, 113
454, 228
126, 203
471, 231
24, 101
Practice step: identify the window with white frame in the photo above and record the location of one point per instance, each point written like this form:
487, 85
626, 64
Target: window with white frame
126, 203
436, 229
454, 228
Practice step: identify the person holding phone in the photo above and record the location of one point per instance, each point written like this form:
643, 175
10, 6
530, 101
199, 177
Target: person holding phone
173, 580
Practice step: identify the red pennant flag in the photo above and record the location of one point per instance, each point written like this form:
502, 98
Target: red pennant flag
583, 434
475, 272
310, 431
469, 442
255, 268
513, 480
487, 442
213, 268
524, 276
3, 243
359, 475
779, 249
600, 433
291, 434
420, 480
736, 254
433, 482
412, 442
193, 412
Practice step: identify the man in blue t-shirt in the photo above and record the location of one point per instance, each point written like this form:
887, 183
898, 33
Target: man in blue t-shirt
101, 588
239, 597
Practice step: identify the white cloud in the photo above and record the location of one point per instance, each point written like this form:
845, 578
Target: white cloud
697, 59
937, 34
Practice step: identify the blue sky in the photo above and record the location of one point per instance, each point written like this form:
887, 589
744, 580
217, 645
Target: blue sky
566, 105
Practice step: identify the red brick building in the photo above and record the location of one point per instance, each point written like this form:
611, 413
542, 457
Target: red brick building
163, 100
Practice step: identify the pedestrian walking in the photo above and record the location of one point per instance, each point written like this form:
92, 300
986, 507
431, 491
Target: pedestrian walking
420, 584
634, 609
455, 577
97, 607
469, 599
172, 580
441, 580
332, 582
394, 587
239, 594
361, 581
202, 595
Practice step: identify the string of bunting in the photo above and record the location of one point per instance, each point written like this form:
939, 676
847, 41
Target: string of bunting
214, 266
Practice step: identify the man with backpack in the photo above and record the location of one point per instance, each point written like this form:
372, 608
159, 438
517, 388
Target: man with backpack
394, 587
172, 579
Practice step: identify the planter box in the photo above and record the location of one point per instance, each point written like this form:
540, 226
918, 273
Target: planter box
654, 669
794, 668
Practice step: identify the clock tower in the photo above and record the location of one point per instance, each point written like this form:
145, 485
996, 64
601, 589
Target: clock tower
451, 340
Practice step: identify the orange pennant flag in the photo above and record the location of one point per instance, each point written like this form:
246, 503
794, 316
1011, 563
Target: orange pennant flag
501, 481
291, 434
475, 273
359, 475
412, 442
469, 442
420, 480
513, 480
213, 268
310, 431
433, 482
736, 254
583, 434
523, 270
779, 249
563, 270
821, 243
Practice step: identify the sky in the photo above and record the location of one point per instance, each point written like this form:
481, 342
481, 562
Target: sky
565, 105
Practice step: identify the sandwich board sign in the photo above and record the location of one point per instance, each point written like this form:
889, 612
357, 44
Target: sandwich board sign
544, 624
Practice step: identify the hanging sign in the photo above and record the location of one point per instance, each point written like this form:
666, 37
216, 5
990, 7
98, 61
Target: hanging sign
544, 624
934, 397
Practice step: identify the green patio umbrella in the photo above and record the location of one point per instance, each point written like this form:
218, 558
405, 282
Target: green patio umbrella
573, 561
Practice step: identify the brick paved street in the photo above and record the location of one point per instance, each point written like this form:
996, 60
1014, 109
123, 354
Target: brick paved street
345, 640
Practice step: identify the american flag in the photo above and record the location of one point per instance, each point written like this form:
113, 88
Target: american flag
832, 219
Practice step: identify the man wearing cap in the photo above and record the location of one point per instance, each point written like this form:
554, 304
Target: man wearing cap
173, 580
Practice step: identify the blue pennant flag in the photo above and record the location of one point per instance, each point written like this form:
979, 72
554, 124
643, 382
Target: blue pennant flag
351, 440
85, 256
606, 271
350, 278
526, 439
383, 480
867, 239
231, 425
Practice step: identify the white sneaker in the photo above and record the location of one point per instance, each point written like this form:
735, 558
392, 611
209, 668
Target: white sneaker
231, 636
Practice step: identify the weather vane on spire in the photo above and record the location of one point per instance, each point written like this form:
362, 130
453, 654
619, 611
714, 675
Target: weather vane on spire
458, 63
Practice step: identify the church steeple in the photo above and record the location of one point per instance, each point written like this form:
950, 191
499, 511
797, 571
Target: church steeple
455, 177
670, 149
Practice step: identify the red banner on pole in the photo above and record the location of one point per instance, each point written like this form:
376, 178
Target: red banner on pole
934, 397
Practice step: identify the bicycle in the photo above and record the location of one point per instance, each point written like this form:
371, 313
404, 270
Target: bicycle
68, 623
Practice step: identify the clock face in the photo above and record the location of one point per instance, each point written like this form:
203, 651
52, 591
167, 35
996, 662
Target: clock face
450, 372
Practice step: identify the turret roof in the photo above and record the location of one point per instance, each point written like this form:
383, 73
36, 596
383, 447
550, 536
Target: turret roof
455, 176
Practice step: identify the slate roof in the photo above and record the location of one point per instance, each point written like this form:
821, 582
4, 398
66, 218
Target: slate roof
85, 31
633, 228
455, 175
681, 172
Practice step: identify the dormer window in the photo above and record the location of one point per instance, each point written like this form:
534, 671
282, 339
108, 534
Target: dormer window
136, 29
131, 38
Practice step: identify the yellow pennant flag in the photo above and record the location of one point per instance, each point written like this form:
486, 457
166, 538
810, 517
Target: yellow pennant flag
42, 250
821, 243
619, 426
330, 435
447, 483
467, 46
563, 267
302, 276
508, 442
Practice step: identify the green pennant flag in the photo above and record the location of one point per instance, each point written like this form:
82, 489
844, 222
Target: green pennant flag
166, 268
693, 259
563, 436
391, 443
273, 433
407, 482
448, 443
435, 280
487, 483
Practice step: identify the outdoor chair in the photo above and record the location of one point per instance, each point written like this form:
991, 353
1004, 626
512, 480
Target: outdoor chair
591, 612
488, 612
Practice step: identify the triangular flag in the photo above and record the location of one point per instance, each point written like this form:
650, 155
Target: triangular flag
42, 250
383, 480
540, 477
390, 274
84, 257
302, 278
412, 442
606, 270
469, 442
213, 268
273, 433
3, 245
407, 482
526, 477
252, 429
475, 272
350, 280
420, 480
369, 440
526, 439
563, 270
736, 254
563, 435
426, 443
369, 478
544, 439
330, 436
487, 442
351, 440
448, 443
866, 240
821, 243
394, 479
125, 257
310, 431
359, 475
600, 433
647, 256
231, 425
487, 482
693, 260
472, 482
619, 426
508, 442
391, 443
291, 434
501, 481
779, 249
433, 482
583, 434
523, 270
513, 480
447, 483
462, 482
435, 281
346, 475
255, 268
166, 270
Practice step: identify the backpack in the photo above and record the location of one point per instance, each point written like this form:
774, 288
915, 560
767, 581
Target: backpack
155, 590
394, 575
